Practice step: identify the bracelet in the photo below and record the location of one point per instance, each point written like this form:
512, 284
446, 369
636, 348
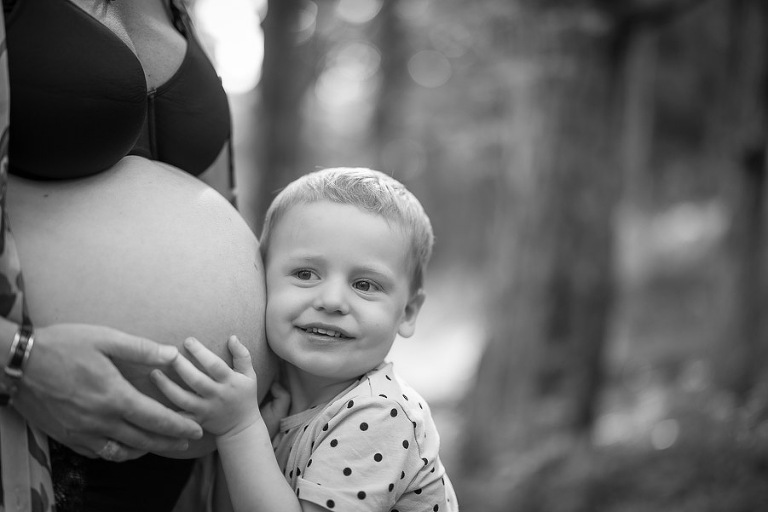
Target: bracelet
21, 348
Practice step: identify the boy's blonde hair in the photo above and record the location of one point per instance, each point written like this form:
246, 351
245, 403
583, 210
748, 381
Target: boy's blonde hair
369, 190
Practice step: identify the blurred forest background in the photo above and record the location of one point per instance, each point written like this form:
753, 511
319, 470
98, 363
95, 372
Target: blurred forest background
593, 338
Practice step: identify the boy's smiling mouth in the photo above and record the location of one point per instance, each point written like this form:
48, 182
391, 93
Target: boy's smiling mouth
323, 331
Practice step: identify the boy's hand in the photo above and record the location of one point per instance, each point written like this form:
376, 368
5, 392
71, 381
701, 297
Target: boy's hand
222, 399
275, 408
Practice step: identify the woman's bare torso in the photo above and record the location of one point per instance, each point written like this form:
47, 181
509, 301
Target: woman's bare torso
144, 248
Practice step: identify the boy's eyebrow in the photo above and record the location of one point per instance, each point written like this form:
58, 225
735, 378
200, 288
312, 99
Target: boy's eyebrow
308, 258
382, 272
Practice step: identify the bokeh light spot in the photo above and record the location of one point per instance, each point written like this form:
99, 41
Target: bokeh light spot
429, 68
664, 434
358, 11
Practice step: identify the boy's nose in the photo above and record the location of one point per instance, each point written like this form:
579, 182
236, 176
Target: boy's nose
332, 298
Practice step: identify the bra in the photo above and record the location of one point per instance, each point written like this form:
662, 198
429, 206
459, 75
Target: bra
80, 103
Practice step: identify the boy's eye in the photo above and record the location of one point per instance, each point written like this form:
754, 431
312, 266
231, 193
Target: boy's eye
365, 286
304, 275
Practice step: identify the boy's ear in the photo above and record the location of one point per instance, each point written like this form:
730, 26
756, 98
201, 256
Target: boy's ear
412, 308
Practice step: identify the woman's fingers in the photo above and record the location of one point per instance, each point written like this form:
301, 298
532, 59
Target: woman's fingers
135, 349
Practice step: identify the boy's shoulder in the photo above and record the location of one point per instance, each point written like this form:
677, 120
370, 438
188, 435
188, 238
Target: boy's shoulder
384, 384
382, 389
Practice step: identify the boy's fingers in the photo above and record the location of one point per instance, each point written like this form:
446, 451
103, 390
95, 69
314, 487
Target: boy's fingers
241, 358
154, 417
175, 393
198, 381
211, 363
278, 391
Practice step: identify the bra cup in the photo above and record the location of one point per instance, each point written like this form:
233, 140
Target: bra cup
193, 98
72, 94
79, 99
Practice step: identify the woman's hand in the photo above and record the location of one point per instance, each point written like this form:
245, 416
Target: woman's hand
223, 400
72, 390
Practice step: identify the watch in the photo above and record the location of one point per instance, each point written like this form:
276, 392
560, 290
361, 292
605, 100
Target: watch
21, 348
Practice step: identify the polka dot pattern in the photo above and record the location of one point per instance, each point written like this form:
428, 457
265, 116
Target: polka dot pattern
369, 449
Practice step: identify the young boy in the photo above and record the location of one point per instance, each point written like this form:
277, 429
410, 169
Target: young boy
345, 252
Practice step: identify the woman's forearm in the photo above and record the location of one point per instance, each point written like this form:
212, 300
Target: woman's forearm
7, 332
254, 479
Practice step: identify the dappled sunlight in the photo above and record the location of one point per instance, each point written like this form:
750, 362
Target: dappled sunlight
632, 422
358, 11
674, 237
234, 39
347, 82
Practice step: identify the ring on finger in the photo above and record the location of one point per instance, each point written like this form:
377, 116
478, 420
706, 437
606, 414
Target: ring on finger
110, 450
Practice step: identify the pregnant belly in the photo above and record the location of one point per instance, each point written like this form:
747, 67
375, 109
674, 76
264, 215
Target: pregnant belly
146, 249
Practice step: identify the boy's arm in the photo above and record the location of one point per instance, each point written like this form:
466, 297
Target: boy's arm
223, 400
254, 479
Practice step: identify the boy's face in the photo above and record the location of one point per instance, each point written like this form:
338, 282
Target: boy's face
338, 290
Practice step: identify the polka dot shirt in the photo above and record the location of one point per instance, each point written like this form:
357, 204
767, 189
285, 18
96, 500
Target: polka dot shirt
373, 447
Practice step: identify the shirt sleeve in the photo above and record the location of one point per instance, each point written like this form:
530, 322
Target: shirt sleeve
364, 460
11, 297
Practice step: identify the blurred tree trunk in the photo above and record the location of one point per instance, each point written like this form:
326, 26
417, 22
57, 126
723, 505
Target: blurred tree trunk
279, 118
637, 64
392, 41
743, 354
542, 368
291, 63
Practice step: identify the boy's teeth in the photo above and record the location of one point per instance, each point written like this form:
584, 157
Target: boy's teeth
326, 332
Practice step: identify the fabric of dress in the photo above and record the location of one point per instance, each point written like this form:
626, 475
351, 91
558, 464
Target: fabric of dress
373, 447
25, 464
